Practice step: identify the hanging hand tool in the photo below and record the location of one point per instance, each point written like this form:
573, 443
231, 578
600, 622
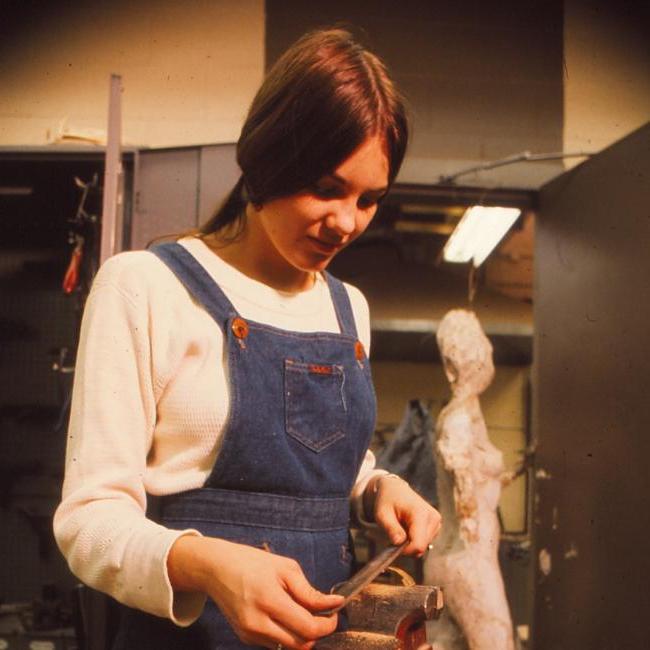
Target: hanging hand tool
71, 277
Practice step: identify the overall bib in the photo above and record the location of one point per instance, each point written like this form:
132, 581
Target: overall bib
302, 410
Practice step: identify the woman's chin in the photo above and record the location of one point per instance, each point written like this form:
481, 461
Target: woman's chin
314, 263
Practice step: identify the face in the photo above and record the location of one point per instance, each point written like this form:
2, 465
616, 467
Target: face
303, 232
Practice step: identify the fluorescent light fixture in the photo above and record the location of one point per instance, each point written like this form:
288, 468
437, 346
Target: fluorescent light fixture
478, 232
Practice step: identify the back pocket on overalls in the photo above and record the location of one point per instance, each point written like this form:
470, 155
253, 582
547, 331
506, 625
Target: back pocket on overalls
315, 409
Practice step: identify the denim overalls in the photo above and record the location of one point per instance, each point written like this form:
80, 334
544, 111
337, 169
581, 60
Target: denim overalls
302, 410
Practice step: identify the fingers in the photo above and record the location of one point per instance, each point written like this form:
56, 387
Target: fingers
423, 527
278, 618
386, 517
404, 513
292, 609
266, 597
272, 633
306, 595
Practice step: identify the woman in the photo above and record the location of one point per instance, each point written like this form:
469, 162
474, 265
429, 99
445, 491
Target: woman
222, 384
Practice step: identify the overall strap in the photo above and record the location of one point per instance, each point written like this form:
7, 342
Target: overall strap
196, 280
342, 306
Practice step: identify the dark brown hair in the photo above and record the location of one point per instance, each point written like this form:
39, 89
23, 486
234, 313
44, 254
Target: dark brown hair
317, 104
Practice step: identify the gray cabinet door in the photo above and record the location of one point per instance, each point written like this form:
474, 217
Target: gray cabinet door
591, 405
175, 190
218, 173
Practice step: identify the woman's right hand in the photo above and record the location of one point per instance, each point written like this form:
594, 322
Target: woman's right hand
265, 597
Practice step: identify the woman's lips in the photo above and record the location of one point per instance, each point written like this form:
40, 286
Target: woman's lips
325, 247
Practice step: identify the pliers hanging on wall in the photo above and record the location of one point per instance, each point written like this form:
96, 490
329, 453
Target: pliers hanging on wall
71, 277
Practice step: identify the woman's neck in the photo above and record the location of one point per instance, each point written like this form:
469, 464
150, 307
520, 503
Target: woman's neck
246, 255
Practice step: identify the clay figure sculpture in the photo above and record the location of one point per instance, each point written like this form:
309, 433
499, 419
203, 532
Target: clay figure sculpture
470, 474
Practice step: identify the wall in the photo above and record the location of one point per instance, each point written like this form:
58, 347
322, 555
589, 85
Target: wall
591, 410
607, 72
189, 70
484, 80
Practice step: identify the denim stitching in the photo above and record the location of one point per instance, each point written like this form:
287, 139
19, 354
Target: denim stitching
307, 336
237, 522
345, 406
294, 371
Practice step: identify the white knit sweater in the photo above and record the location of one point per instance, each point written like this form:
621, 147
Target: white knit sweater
149, 405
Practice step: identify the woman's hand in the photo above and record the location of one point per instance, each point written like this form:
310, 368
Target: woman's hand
265, 597
402, 513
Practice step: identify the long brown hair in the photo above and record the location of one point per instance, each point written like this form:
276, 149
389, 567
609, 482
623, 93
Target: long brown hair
322, 98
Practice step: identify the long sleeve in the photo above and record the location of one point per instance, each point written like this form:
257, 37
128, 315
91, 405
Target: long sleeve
100, 525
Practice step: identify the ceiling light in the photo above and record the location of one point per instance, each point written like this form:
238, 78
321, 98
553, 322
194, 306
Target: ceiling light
478, 233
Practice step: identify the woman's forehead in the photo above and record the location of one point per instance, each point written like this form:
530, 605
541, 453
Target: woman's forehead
367, 165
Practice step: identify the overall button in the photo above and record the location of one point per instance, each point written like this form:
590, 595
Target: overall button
359, 352
239, 328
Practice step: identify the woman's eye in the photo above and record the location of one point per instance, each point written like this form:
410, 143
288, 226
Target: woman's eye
366, 202
324, 192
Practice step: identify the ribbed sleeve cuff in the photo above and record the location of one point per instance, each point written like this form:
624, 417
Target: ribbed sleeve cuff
182, 607
356, 499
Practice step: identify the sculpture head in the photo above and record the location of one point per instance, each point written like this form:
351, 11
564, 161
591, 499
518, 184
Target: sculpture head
466, 352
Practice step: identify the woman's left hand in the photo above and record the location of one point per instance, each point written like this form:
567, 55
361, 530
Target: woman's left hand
402, 513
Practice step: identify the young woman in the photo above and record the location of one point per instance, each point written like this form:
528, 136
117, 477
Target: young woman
223, 402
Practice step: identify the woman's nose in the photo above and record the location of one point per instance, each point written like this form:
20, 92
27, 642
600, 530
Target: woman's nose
342, 219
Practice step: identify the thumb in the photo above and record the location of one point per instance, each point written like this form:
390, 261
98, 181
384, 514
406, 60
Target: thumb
308, 596
387, 519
